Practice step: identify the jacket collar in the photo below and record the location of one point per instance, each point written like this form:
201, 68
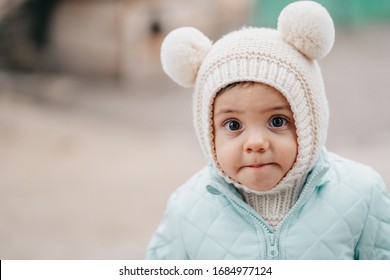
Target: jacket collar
319, 175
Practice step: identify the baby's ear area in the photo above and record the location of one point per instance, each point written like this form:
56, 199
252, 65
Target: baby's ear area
182, 52
308, 27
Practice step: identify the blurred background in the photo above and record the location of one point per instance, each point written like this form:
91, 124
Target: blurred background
94, 137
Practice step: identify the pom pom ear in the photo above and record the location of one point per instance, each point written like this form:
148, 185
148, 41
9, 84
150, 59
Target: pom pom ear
308, 27
182, 52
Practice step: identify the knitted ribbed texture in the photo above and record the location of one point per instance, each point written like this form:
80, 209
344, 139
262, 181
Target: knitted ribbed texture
284, 59
273, 207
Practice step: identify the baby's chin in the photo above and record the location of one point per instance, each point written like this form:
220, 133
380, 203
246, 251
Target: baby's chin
258, 187
258, 184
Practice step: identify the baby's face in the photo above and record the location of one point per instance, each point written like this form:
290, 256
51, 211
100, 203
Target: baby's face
254, 135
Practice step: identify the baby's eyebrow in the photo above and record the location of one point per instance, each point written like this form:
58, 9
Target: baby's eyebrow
227, 111
279, 108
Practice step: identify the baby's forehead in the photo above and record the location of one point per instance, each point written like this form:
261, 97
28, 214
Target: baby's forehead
250, 96
243, 87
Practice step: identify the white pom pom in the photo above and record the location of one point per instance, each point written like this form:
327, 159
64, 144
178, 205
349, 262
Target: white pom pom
308, 27
182, 52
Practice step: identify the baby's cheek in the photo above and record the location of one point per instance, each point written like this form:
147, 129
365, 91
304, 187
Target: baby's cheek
226, 157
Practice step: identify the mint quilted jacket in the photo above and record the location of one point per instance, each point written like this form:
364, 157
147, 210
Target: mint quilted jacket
343, 213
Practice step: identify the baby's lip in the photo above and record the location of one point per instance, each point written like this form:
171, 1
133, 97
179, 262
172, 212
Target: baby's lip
257, 165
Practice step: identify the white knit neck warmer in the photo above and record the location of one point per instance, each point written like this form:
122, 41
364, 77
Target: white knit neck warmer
273, 207
285, 59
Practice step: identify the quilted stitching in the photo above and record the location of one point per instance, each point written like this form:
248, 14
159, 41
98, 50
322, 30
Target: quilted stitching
335, 219
346, 213
220, 214
374, 244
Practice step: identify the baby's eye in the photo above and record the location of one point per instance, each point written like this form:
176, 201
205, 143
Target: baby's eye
278, 121
232, 125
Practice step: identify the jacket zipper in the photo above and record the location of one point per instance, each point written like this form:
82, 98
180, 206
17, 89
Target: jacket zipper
273, 251
263, 225
319, 173
272, 247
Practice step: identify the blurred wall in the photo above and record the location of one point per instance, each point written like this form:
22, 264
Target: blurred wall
117, 39
23, 33
7, 6
121, 39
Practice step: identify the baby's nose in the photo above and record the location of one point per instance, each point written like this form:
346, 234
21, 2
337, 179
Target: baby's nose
257, 141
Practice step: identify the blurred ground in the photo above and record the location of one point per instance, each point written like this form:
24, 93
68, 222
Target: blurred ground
86, 166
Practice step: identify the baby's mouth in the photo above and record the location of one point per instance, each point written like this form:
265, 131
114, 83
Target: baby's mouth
258, 165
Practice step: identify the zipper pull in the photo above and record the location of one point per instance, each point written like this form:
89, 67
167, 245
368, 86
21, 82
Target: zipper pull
273, 249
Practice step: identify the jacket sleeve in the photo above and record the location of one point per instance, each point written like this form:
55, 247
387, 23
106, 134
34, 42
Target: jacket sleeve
167, 241
374, 242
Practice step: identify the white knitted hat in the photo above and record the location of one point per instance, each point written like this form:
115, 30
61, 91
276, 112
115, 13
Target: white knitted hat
284, 59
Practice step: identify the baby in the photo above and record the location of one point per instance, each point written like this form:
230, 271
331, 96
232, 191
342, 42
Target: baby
271, 189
